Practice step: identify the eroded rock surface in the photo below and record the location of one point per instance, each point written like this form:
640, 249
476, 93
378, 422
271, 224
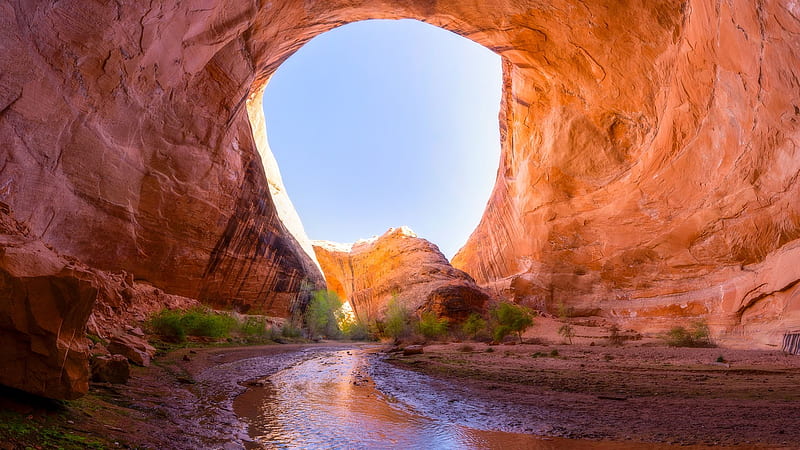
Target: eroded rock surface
45, 301
398, 263
649, 165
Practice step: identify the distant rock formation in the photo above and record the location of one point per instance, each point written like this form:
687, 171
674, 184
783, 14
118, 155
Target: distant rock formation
398, 264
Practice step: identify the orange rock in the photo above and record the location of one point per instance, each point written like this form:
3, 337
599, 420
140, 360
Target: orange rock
46, 300
649, 149
398, 263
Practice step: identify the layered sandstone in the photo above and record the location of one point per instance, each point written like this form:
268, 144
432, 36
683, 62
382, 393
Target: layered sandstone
649, 159
398, 264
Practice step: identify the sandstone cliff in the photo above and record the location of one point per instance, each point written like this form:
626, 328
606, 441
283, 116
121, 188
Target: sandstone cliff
398, 263
649, 164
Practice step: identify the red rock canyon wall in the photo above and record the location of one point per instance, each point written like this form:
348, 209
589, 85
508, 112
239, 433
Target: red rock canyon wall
649, 164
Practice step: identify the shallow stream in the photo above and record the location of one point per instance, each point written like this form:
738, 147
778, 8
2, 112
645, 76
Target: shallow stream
352, 399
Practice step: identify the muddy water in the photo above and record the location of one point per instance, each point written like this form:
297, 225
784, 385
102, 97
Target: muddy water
331, 401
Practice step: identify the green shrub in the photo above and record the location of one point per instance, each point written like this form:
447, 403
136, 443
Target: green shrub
510, 318
567, 331
474, 326
175, 325
697, 336
167, 324
255, 329
320, 316
253, 326
432, 326
357, 330
397, 323
202, 322
289, 330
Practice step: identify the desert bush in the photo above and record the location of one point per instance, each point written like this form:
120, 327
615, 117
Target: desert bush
357, 330
175, 325
474, 326
615, 338
320, 316
204, 322
167, 324
253, 326
697, 336
567, 331
397, 323
290, 330
255, 329
510, 318
466, 348
431, 326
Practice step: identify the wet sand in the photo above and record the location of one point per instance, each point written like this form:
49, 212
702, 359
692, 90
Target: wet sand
605, 397
182, 401
353, 399
650, 394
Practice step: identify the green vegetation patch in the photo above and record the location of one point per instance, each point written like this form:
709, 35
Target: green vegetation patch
26, 432
175, 325
697, 335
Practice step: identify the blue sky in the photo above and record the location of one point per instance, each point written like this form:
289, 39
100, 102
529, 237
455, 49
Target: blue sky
382, 123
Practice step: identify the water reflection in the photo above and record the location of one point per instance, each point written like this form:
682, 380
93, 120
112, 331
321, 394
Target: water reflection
330, 401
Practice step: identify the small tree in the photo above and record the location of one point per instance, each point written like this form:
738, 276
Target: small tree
511, 318
396, 324
321, 314
567, 331
431, 326
473, 325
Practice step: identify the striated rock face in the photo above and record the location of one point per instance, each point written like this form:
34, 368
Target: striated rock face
127, 144
650, 165
398, 263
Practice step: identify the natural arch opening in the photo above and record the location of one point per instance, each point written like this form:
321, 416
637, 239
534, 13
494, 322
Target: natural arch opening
383, 123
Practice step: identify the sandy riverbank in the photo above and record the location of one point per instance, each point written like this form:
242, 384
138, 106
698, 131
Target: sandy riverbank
643, 393
182, 401
607, 394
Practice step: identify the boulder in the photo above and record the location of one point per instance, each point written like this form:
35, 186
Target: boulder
413, 350
45, 300
99, 350
111, 369
135, 348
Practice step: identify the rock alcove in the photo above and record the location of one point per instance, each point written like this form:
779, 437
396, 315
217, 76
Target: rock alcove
648, 168
403, 129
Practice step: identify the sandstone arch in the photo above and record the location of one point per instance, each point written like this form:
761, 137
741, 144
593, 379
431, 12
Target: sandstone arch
649, 149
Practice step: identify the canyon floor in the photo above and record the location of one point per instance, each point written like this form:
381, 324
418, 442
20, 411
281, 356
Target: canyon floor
642, 392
